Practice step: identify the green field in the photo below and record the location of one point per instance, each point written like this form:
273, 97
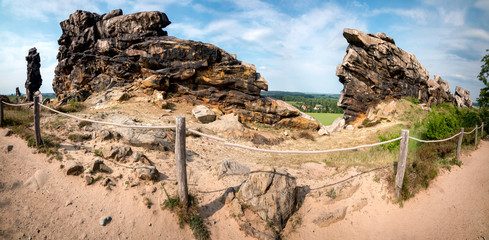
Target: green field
325, 118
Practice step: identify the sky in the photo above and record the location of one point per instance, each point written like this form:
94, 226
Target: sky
295, 45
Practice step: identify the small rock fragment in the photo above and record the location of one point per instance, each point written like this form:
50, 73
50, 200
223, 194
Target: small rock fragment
73, 168
105, 220
147, 173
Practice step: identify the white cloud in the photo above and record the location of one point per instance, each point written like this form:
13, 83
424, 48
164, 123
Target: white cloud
44, 10
482, 4
453, 17
417, 14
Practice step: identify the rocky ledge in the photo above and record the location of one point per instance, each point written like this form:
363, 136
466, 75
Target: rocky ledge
100, 52
376, 71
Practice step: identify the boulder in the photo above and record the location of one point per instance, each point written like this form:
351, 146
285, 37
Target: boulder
119, 153
271, 194
98, 53
231, 167
73, 168
203, 114
374, 70
98, 165
147, 173
336, 126
462, 97
34, 80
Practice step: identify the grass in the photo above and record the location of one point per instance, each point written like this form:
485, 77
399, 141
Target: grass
325, 118
20, 120
187, 214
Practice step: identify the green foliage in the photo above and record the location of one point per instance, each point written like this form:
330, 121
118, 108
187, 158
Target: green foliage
413, 100
393, 146
325, 104
325, 118
483, 76
187, 214
71, 106
441, 126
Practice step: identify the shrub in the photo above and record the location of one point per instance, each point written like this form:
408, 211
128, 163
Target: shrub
440, 126
391, 135
306, 135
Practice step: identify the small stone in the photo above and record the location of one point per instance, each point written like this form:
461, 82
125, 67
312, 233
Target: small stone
203, 114
109, 182
88, 179
8, 133
105, 220
68, 203
9, 148
73, 168
147, 173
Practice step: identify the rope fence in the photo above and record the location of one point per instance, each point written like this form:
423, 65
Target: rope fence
180, 152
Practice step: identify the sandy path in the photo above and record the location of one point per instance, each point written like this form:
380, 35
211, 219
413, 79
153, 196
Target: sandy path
456, 206
66, 208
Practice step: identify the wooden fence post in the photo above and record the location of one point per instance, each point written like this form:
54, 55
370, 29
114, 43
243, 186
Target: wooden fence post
459, 145
401, 163
1, 112
181, 158
482, 130
37, 121
476, 131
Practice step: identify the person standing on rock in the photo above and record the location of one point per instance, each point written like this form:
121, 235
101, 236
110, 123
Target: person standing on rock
34, 80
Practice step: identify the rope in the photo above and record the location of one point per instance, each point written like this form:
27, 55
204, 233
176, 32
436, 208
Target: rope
310, 152
471, 131
17, 105
108, 123
433, 141
206, 135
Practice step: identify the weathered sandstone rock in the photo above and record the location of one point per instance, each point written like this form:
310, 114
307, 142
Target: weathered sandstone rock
73, 168
203, 114
270, 194
462, 97
100, 52
34, 80
375, 70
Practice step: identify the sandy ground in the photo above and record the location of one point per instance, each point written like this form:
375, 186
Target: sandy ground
456, 206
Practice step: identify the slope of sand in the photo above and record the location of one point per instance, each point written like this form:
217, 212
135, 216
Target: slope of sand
56, 206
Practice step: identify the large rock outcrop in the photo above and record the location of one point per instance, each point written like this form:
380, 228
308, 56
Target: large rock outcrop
462, 97
99, 52
34, 80
375, 70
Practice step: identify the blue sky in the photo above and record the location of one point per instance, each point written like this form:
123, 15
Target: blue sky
295, 45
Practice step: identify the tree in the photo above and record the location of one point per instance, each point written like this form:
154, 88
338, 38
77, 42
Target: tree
483, 76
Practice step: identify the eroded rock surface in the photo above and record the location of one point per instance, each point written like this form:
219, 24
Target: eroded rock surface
462, 97
271, 194
99, 52
375, 70
34, 80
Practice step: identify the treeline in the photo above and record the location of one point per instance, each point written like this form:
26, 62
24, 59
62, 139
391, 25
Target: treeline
312, 104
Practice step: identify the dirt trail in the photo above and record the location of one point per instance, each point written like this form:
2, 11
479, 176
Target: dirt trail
455, 206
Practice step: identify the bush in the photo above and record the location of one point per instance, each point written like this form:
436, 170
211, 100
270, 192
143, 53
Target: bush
391, 135
441, 126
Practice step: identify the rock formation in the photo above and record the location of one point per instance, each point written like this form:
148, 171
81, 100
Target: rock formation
375, 70
271, 194
462, 97
99, 52
34, 80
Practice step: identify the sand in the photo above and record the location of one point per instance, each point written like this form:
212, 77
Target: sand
38, 200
